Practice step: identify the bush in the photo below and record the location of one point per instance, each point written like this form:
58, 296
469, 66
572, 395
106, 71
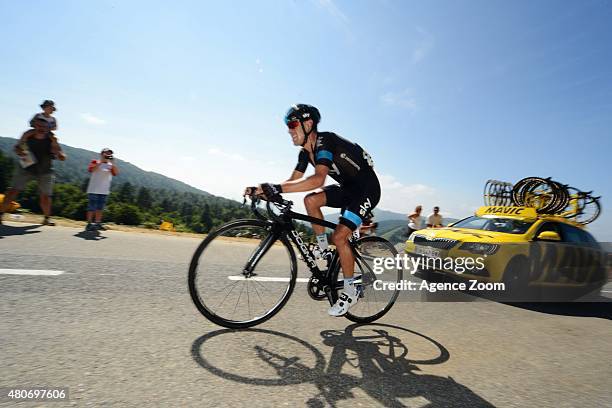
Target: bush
122, 213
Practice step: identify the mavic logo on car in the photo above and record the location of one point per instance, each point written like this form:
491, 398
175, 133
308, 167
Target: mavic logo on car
505, 210
502, 211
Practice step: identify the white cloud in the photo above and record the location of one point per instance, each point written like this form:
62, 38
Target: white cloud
403, 99
424, 46
332, 9
220, 153
403, 198
258, 64
91, 119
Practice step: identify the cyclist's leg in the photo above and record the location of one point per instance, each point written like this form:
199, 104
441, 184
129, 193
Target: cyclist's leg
313, 203
360, 206
331, 196
340, 239
364, 200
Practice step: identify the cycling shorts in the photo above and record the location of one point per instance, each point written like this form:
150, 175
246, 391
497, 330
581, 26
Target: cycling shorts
356, 202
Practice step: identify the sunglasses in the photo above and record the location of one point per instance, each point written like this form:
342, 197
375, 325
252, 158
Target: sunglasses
293, 124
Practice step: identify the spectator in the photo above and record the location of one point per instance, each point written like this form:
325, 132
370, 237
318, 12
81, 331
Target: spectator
102, 173
435, 219
368, 227
48, 108
415, 220
37, 148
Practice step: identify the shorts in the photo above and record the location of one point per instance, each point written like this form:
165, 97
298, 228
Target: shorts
356, 202
45, 181
96, 202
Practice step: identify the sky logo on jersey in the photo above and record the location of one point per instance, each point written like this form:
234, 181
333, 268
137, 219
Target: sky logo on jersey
365, 207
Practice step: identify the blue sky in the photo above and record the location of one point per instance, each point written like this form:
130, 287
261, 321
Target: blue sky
443, 95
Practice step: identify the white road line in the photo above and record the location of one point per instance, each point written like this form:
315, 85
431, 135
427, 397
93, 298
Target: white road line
42, 272
266, 279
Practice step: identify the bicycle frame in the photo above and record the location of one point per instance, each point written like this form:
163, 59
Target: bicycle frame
282, 228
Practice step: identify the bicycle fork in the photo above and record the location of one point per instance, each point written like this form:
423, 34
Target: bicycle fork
258, 253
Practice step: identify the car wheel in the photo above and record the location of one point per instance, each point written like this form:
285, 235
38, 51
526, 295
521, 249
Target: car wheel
516, 280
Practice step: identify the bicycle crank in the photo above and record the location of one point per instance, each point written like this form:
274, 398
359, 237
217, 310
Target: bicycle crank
314, 290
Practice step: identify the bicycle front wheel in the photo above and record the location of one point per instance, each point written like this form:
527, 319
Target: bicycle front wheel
371, 277
242, 274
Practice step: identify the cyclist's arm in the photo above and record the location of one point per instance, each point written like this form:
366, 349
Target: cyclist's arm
296, 175
309, 183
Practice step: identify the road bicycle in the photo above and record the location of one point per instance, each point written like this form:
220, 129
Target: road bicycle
551, 197
498, 193
244, 272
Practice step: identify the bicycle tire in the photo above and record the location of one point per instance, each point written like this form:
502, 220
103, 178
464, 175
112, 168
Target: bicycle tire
518, 190
352, 316
561, 197
585, 217
196, 293
486, 194
540, 194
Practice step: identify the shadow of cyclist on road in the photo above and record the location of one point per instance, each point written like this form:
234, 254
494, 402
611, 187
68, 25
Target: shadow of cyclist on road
375, 360
9, 230
90, 235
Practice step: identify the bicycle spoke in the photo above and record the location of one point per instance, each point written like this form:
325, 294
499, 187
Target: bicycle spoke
228, 293
238, 301
259, 296
248, 298
225, 255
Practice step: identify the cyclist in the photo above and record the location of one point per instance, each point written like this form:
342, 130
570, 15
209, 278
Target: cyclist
357, 191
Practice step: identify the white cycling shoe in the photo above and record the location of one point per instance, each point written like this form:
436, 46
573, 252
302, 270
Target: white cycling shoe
346, 300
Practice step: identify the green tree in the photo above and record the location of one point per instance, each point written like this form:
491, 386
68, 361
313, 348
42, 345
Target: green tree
167, 205
7, 165
123, 213
69, 201
186, 210
205, 219
125, 194
144, 199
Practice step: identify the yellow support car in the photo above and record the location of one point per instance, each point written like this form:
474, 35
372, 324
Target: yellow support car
531, 255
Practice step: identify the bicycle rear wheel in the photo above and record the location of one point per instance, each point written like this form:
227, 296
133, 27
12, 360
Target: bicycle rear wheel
590, 211
373, 303
241, 275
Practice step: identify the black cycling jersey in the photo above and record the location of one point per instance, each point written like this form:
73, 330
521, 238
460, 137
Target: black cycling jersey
348, 163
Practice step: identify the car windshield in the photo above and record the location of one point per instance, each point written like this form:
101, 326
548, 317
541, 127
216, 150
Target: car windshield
507, 225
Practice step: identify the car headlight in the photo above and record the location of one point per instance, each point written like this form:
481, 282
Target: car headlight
479, 248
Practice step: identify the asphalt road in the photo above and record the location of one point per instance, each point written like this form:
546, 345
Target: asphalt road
119, 329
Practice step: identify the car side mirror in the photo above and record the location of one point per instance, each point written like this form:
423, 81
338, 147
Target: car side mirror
549, 236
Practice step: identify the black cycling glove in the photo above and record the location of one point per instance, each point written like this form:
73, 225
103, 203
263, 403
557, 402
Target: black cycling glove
272, 191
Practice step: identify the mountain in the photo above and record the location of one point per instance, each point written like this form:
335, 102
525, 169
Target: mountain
74, 170
391, 225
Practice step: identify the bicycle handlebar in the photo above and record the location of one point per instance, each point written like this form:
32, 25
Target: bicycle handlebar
282, 204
